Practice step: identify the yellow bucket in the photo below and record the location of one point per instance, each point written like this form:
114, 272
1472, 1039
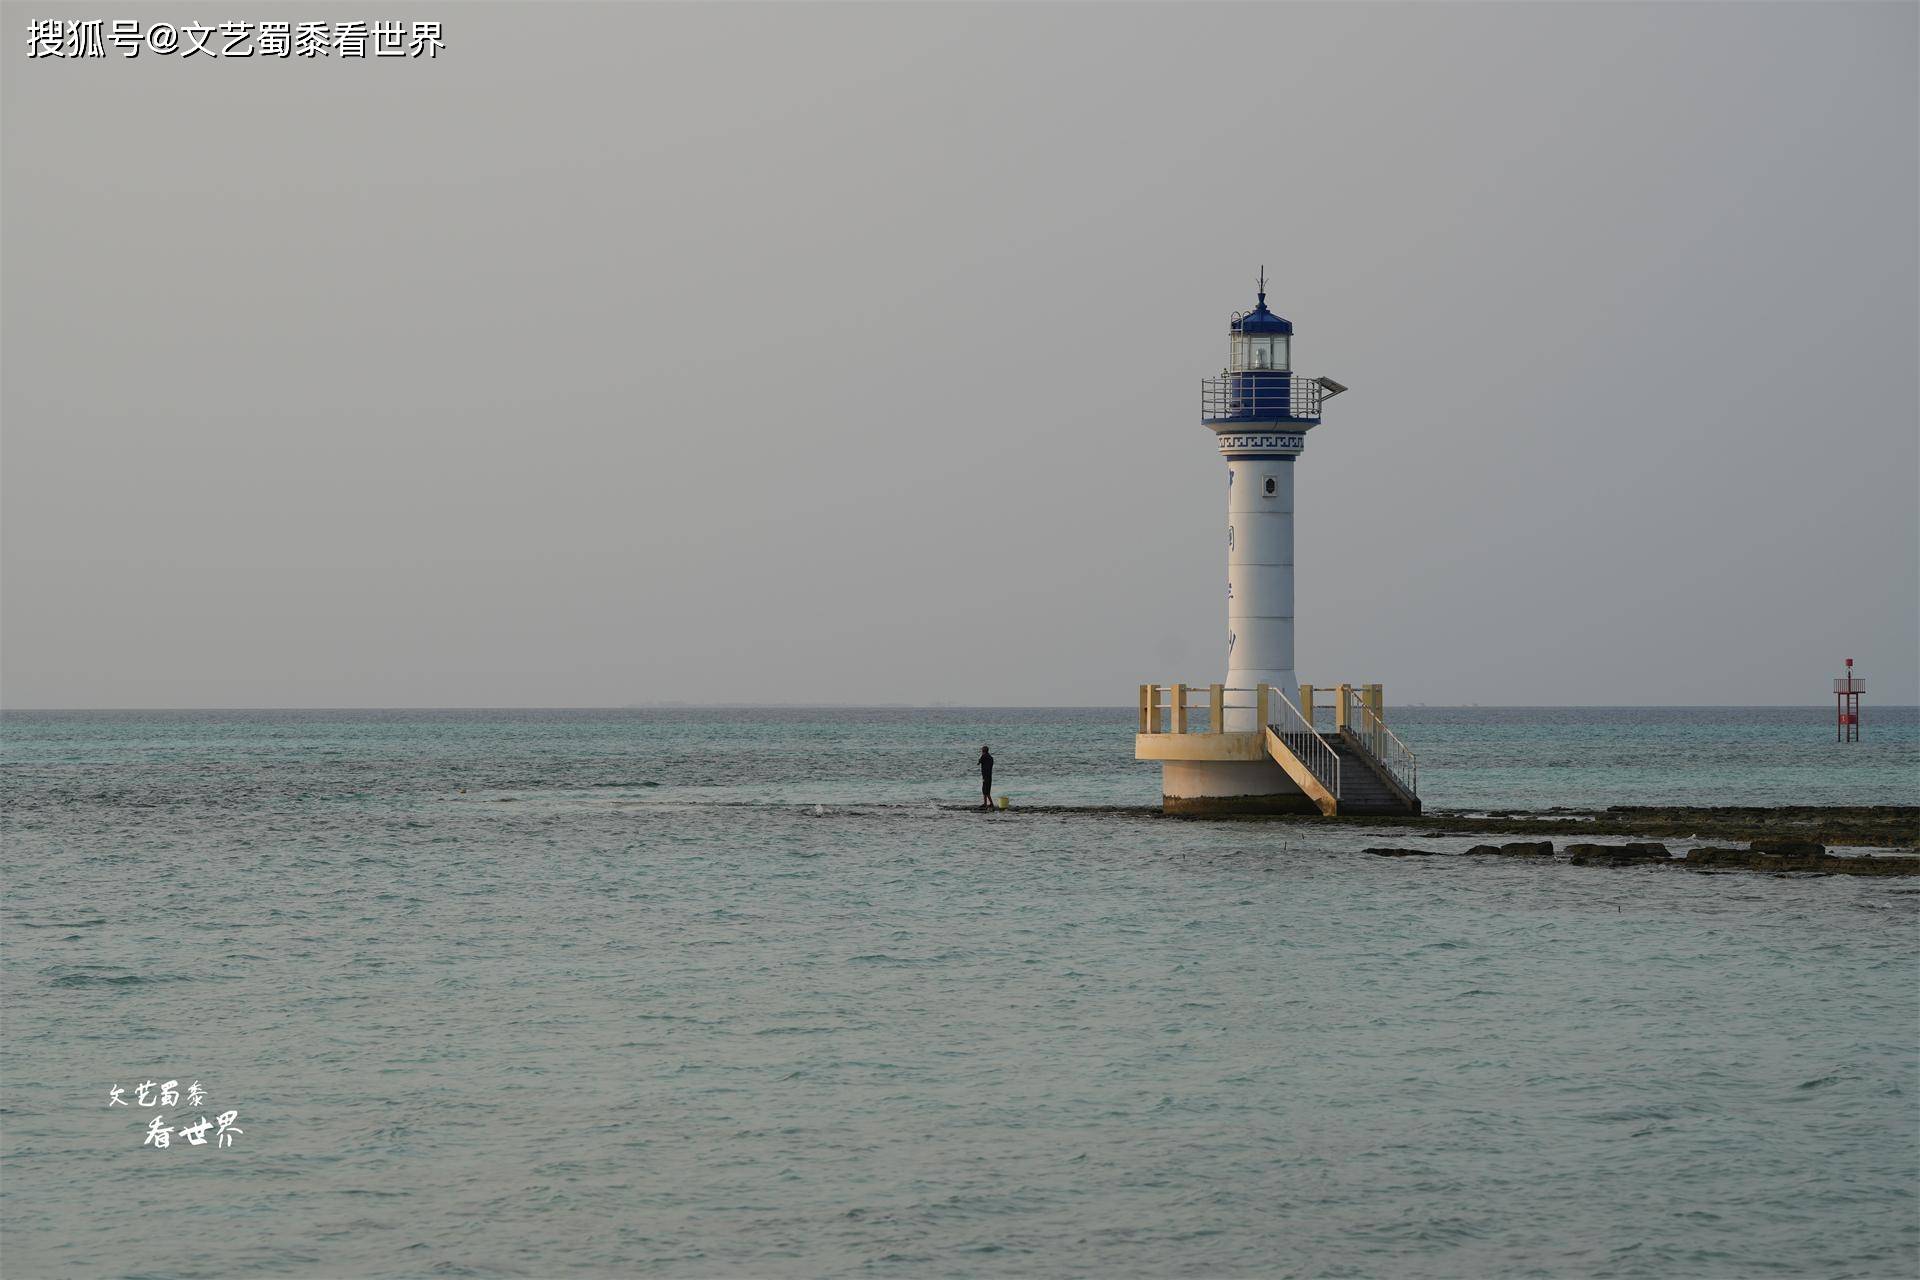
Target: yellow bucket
1001, 801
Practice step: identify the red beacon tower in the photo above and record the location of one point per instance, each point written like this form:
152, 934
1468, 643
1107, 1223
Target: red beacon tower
1846, 697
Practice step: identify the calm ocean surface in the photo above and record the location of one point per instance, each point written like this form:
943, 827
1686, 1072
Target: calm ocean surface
727, 992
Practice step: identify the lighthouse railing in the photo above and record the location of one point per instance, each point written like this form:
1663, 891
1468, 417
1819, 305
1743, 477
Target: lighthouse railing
1183, 708
1258, 394
1387, 748
1301, 738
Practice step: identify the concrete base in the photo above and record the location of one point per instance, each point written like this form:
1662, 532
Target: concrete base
1230, 786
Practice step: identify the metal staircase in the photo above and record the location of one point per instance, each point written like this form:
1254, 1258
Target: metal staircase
1365, 785
1363, 768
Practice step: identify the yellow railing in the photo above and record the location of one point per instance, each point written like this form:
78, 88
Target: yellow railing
1202, 708
1172, 708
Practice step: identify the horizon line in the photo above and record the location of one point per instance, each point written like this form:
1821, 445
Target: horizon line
927, 706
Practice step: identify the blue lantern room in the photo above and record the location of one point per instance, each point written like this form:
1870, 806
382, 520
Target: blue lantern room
1258, 384
1260, 339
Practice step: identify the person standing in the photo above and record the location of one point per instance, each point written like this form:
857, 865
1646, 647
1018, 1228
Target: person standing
986, 778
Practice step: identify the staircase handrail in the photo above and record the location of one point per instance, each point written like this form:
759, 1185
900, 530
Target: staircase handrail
1387, 748
1320, 757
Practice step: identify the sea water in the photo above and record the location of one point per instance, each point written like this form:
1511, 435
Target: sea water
732, 992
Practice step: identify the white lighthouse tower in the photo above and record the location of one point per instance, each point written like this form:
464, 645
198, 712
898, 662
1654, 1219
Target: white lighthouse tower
1258, 742
1261, 417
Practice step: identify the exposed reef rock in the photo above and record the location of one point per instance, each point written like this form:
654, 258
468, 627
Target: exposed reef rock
1517, 849
1617, 855
1879, 826
1777, 856
1876, 826
1872, 826
1789, 848
1766, 855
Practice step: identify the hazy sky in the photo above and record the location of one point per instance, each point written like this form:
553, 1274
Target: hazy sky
810, 353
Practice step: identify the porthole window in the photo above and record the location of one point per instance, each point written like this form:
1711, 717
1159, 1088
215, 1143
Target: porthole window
1269, 486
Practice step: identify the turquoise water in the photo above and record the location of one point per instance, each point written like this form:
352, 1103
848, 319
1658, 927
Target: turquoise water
605, 993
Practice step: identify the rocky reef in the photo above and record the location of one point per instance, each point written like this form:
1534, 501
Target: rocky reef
1616, 855
1517, 849
1796, 855
1884, 826
1778, 856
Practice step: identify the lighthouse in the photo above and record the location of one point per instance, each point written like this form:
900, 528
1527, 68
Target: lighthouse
1260, 415
1261, 741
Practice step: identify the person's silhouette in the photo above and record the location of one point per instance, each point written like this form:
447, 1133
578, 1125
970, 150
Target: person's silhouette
986, 778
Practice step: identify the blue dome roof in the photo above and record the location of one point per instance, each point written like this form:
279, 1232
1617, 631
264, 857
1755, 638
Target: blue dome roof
1261, 320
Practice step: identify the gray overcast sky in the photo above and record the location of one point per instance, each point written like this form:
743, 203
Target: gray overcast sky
812, 353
